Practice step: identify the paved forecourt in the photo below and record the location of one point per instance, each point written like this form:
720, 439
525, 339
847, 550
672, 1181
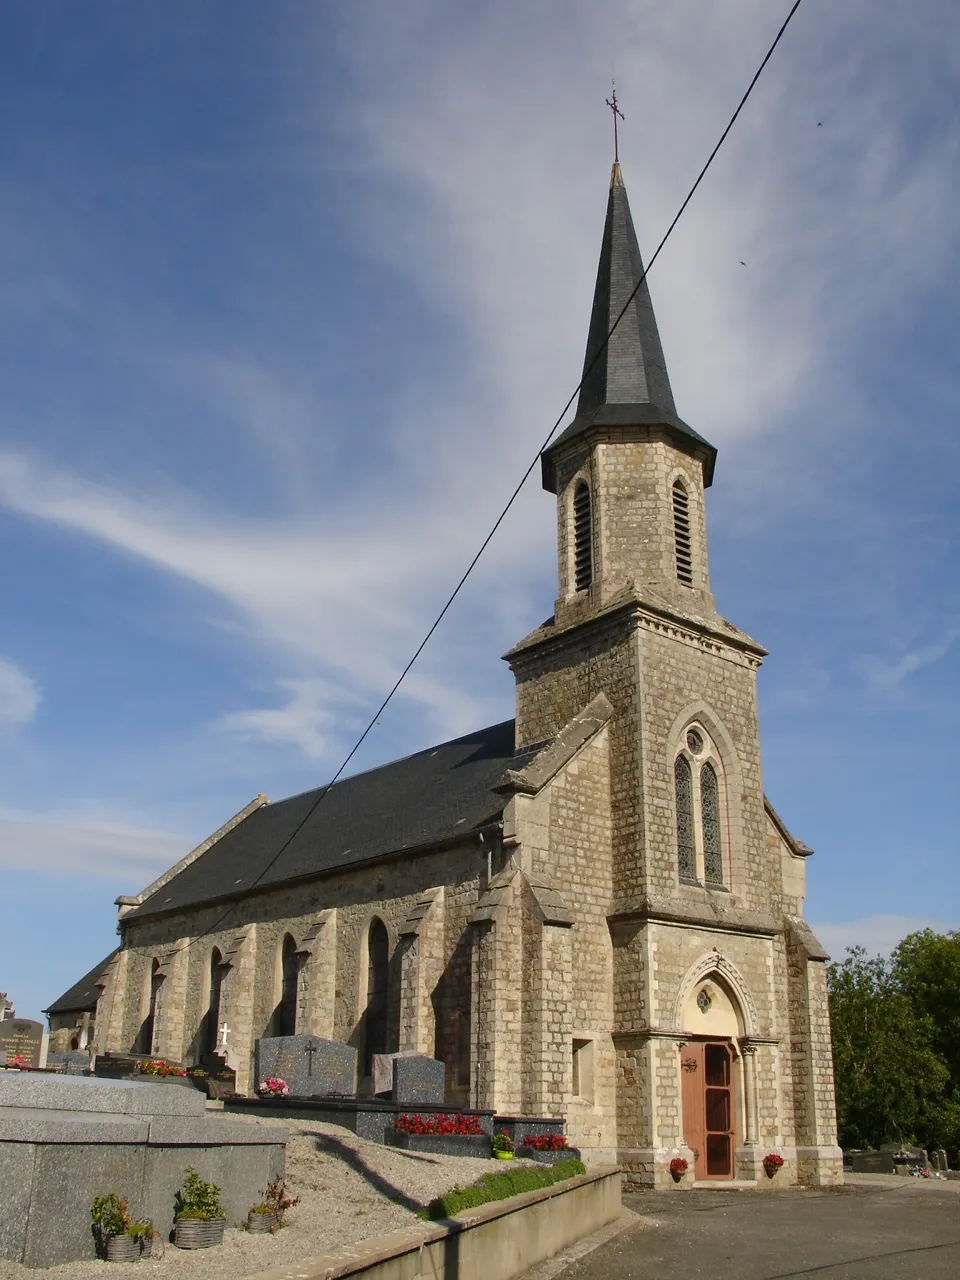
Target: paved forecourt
875, 1228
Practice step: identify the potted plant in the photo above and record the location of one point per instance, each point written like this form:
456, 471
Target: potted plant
269, 1213
111, 1226
502, 1146
678, 1167
772, 1164
274, 1087
145, 1234
199, 1220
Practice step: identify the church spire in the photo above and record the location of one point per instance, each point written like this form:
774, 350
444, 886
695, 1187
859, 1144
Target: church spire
625, 382
631, 369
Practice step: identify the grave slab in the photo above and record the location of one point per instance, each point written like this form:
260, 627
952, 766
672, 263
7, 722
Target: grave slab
418, 1081
311, 1066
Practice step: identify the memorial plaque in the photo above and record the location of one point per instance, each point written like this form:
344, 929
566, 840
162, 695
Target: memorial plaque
382, 1070
418, 1081
21, 1037
310, 1066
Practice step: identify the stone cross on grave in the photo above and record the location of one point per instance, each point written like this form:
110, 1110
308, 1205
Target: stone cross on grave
224, 1032
310, 1051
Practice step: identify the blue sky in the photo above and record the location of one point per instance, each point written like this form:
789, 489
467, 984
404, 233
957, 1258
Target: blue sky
289, 297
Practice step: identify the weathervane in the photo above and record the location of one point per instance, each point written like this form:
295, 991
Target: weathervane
612, 104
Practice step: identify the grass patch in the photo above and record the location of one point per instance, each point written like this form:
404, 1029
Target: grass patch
500, 1186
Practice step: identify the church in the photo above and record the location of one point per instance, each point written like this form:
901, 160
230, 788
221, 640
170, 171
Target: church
589, 912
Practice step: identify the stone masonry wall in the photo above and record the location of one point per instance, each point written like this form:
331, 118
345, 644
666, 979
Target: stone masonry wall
333, 977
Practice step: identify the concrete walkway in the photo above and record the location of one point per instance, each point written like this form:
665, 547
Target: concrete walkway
875, 1228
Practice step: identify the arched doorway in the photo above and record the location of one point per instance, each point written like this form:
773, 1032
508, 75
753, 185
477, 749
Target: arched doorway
285, 1019
211, 1027
709, 1094
378, 981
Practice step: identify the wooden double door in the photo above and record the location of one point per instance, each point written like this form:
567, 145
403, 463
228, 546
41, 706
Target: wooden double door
709, 1106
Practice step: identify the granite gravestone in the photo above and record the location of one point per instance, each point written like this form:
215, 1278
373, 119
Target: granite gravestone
418, 1081
71, 1062
21, 1037
872, 1162
310, 1066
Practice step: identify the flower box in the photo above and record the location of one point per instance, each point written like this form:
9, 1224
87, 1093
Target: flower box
546, 1156
440, 1144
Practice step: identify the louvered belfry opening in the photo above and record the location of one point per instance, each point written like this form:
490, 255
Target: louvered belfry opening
681, 533
582, 538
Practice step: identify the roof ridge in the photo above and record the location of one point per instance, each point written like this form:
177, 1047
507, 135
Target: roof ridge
362, 773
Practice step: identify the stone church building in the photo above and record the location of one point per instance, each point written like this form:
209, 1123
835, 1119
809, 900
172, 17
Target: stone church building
590, 912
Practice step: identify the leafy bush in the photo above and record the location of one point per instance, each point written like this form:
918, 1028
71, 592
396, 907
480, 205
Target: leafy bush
500, 1186
198, 1199
142, 1229
275, 1200
111, 1216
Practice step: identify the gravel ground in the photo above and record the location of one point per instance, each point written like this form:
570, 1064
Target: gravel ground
349, 1190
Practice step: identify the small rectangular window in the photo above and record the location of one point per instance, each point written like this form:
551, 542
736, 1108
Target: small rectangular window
582, 1086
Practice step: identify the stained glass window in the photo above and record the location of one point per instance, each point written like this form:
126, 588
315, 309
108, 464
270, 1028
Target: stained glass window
710, 814
686, 849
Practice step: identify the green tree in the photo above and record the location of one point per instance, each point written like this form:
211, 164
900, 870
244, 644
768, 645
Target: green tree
926, 968
892, 1084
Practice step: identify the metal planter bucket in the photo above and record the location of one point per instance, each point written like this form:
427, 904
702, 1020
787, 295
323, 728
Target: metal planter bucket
123, 1249
198, 1233
258, 1223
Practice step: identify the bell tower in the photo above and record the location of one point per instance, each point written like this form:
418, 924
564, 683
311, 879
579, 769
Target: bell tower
629, 474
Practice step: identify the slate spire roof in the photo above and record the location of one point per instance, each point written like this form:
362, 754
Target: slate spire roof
625, 383
631, 368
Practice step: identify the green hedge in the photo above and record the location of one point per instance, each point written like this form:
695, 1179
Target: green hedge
500, 1186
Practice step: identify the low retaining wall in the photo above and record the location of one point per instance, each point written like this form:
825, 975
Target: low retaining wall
495, 1242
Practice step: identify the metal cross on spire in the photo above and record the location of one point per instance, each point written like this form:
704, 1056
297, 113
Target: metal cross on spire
614, 107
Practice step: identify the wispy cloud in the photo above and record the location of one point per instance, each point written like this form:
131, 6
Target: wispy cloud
19, 695
879, 934
890, 676
86, 843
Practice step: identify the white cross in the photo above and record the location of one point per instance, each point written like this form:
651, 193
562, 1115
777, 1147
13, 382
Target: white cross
224, 1032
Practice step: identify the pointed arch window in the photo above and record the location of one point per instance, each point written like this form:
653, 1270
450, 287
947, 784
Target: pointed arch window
710, 821
683, 546
582, 537
286, 1014
211, 1028
378, 985
144, 1042
686, 845
699, 796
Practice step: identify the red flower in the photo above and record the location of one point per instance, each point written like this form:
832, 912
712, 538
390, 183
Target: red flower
439, 1123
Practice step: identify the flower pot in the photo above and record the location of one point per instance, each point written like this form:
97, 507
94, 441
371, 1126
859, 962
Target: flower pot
123, 1248
503, 1155
198, 1233
261, 1222
151, 1247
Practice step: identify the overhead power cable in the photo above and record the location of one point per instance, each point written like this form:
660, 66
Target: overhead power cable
516, 492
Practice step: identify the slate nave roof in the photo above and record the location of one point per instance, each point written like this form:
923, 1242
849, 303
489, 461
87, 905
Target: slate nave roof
426, 799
